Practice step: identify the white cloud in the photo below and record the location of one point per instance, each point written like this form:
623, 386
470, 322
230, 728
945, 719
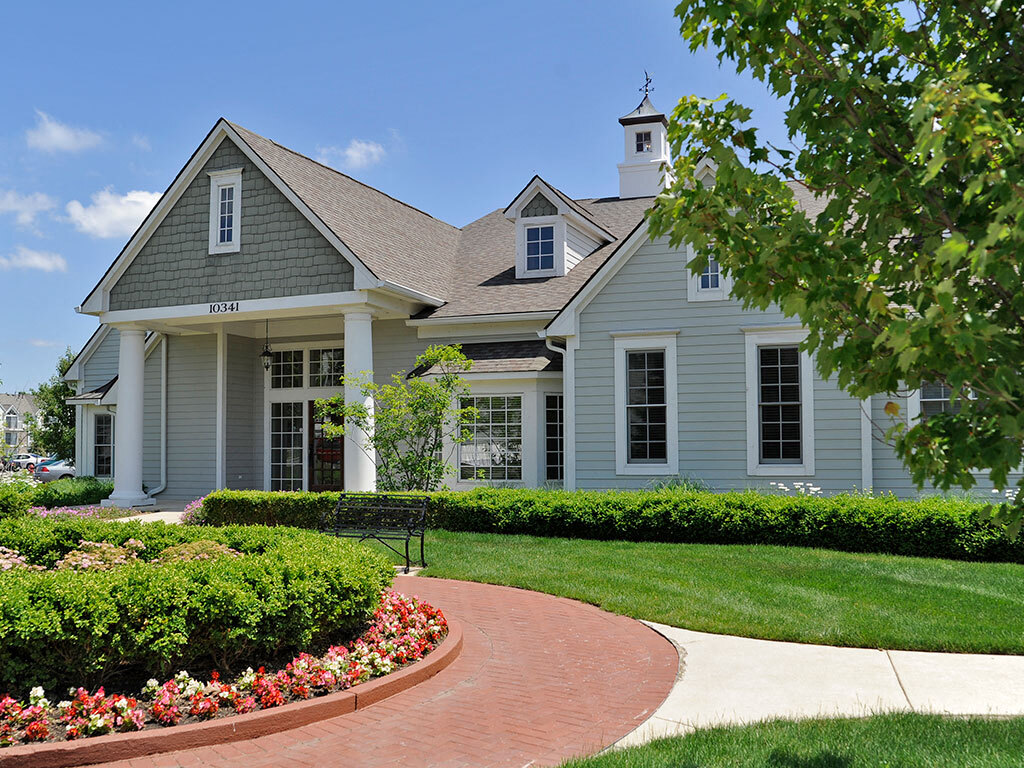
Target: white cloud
42, 343
25, 258
112, 215
358, 154
25, 207
51, 135
141, 142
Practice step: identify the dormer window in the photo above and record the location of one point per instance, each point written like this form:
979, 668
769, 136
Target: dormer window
225, 210
643, 141
540, 248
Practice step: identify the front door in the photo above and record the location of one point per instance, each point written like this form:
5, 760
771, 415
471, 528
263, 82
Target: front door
326, 468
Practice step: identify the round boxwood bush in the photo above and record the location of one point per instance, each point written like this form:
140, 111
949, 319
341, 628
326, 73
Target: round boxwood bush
289, 591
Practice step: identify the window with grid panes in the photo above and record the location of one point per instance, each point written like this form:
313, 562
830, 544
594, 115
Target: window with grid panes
494, 450
326, 367
646, 407
286, 369
935, 398
554, 434
779, 406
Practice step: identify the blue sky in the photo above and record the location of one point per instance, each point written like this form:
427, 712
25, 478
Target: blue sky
449, 106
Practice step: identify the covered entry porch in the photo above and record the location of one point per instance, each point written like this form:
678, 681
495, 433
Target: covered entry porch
238, 396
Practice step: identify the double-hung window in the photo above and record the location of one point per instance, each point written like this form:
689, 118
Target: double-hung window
540, 248
225, 210
12, 421
646, 420
103, 445
709, 283
643, 141
780, 404
936, 398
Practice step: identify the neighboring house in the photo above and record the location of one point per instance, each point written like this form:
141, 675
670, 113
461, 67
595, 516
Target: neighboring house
13, 411
601, 360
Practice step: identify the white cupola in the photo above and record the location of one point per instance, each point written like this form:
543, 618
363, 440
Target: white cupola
642, 172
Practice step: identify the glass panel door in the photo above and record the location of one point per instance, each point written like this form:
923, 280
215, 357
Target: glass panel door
326, 469
286, 446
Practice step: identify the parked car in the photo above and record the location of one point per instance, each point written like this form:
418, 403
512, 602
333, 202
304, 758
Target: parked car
27, 461
54, 470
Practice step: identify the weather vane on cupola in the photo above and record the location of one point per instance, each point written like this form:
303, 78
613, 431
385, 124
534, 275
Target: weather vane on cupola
647, 84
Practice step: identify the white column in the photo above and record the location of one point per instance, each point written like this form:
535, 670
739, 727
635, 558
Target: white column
128, 422
360, 463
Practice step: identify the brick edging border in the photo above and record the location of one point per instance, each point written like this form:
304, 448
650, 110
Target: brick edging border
121, 746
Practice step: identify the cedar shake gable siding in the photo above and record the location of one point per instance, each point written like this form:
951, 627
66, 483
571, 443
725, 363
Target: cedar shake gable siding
281, 252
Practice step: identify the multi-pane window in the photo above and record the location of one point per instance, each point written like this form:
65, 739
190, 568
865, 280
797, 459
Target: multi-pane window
286, 369
643, 141
494, 450
540, 248
226, 213
12, 421
554, 435
711, 277
286, 446
646, 407
935, 398
779, 406
326, 367
103, 445
11, 438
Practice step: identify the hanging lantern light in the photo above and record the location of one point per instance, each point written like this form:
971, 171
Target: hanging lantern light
267, 355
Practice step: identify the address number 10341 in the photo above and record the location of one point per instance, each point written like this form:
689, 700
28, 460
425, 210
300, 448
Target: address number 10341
223, 306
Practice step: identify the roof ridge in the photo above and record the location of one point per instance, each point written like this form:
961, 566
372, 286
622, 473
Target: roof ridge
345, 175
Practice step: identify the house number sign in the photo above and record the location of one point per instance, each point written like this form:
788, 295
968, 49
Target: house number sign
223, 306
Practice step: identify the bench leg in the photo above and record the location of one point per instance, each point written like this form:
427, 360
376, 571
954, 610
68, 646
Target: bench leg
407, 561
423, 561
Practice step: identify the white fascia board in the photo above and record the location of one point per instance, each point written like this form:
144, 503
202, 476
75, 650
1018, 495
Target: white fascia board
409, 293
507, 317
504, 375
98, 299
74, 373
554, 197
565, 322
247, 309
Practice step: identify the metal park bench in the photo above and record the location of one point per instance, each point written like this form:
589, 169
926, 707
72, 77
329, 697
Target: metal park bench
382, 517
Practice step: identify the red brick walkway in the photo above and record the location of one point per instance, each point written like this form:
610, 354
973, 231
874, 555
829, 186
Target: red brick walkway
540, 679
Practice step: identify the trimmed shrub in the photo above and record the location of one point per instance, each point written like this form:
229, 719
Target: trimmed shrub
290, 591
71, 492
930, 527
15, 499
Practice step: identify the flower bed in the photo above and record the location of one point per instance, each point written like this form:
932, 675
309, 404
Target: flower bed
85, 513
403, 630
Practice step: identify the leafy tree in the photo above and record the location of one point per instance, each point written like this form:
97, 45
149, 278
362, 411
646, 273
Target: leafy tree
905, 125
412, 419
52, 431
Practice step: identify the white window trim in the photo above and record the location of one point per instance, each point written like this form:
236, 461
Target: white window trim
558, 222
768, 338
523, 404
693, 290
635, 341
218, 180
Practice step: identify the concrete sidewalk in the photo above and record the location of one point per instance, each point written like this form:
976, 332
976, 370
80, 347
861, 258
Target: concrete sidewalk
733, 680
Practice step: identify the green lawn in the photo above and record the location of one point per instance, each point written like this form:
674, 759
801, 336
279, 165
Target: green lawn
886, 741
778, 593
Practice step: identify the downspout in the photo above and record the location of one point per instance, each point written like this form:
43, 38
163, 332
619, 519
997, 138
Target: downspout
565, 401
163, 418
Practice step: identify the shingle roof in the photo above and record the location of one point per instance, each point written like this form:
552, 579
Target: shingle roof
485, 274
20, 402
394, 240
96, 394
505, 357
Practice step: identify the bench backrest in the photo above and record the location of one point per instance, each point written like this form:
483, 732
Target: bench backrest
377, 511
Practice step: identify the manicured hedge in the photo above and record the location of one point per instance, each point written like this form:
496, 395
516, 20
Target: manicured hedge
292, 591
932, 527
17, 496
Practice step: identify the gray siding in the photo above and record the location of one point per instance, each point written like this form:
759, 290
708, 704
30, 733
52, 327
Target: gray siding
577, 246
191, 416
281, 254
244, 439
151, 418
649, 292
101, 366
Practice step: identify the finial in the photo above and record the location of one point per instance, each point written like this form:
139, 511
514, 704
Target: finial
647, 84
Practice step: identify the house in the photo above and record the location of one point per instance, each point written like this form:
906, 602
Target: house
601, 360
14, 408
